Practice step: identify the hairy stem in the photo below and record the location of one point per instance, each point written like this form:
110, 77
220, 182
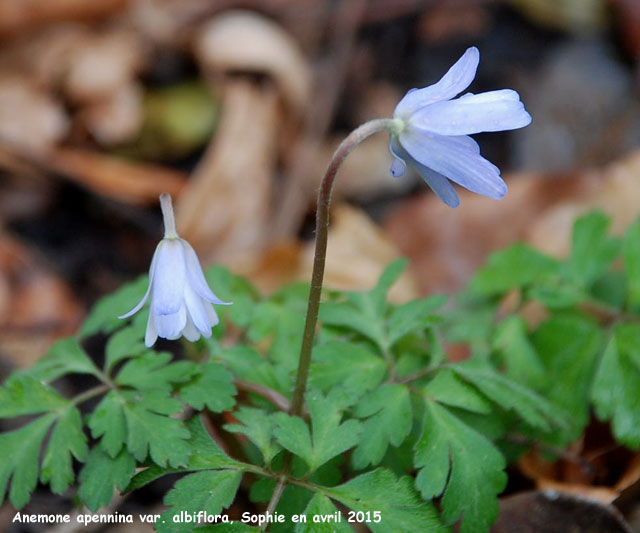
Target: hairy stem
322, 228
275, 498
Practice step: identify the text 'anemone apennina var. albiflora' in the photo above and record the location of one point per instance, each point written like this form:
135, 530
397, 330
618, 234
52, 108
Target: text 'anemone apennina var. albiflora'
431, 132
180, 296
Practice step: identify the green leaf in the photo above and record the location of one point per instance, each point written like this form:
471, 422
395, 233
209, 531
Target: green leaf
293, 434
344, 364
236, 289
592, 252
283, 324
67, 440
513, 344
389, 409
330, 437
556, 296
449, 389
151, 371
24, 395
508, 394
258, 426
569, 345
128, 342
364, 312
108, 421
163, 438
396, 500
209, 491
347, 315
104, 315
318, 512
65, 356
248, 364
101, 474
138, 420
20, 451
617, 382
213, 388
205, 455
457, 460
412, 316
516, 266
631, 254
231, 527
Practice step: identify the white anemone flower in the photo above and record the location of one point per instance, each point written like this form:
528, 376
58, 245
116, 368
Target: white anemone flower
180, 296
432, 131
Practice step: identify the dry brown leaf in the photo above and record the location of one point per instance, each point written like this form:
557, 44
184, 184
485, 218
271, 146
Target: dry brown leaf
29, 118
116, 119
365, 173
357, 254
125, 181
615, 190
104, 65
259, 45
224, 209
18, 15
447, 245
36, 307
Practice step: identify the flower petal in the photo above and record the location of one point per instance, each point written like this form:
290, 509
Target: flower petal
171, 326
190, 332
454, 158
196, 278
170, 278
196, 311
492, 111
456, 80
150, 335
211, 314
146, 294
398, 166
437, 182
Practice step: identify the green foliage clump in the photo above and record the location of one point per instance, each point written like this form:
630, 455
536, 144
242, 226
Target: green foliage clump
393, 431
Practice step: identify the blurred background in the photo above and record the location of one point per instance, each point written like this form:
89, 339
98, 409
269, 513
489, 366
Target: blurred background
234, 107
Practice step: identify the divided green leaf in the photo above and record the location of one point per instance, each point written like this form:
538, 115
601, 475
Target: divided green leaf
400, 507
389, 410
617, 384
209, 491
457, 461
102, 474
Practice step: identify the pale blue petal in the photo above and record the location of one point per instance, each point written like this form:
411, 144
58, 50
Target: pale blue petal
454, 158
398, 167
492, 111
196, 277
196, 310
171, 326
146, 294
456, 80
190, 332
437, 182
170, 278
211, 314
150, 335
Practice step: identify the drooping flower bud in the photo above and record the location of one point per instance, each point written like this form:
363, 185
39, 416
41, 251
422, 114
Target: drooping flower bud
180, 298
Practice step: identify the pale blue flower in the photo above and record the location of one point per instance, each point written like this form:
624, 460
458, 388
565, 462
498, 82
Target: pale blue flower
432, 131
180, 296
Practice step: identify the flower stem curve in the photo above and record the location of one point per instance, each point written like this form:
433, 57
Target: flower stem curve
322, 228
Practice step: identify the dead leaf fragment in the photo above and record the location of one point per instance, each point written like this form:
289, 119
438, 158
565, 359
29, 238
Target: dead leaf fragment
243, 41
103, 65
29, 118
125, 181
